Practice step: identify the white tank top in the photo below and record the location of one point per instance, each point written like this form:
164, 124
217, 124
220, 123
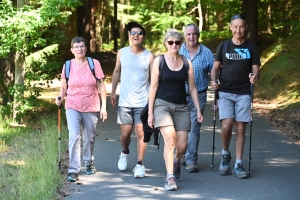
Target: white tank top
135, 72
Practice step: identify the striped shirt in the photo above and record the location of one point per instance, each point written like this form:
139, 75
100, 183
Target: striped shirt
202, 64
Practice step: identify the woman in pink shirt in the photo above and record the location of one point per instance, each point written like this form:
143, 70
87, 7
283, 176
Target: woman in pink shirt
81, 89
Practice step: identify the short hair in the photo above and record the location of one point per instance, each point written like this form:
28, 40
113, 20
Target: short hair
238, 16
78, 40
193, 26
131, 25
173, 33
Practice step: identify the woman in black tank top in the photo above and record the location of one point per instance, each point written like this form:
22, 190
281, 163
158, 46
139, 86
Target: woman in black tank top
168, 109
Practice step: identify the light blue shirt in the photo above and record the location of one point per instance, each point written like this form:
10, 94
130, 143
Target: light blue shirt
202, 64
135, 79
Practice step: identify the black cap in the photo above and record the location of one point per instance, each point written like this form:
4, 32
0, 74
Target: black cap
131, 25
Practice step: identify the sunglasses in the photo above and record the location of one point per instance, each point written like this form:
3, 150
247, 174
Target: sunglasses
172, 42
237, 17
136, 32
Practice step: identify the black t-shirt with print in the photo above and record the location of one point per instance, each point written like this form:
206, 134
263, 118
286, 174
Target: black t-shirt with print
237, 61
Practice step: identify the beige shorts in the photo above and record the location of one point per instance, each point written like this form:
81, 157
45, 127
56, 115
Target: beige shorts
171, 114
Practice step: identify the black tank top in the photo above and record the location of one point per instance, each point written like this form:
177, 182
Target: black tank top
172, 85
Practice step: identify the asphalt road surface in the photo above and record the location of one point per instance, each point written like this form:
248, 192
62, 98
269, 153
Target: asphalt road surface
275, 167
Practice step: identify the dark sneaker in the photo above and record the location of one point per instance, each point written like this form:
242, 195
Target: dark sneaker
170, 184
90, 169
191, 168
225, 164
72, 177
239, 171
182, 160
176, 170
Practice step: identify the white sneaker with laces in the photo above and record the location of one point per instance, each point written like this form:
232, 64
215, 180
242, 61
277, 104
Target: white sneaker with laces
122, 164
139, 171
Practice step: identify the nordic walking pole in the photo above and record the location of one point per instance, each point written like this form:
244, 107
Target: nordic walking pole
251, 123
214, 130
58, 125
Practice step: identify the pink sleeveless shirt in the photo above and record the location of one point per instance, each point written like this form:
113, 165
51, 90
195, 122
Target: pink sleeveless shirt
82, 92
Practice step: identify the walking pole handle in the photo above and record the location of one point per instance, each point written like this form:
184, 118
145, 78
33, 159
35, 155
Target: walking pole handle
59, 107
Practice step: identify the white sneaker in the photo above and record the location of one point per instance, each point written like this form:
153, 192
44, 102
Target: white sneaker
139, 171
122, 164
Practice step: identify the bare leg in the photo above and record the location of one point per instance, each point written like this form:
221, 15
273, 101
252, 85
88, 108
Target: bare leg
226, 132
125, 139
169, 136
181, 143
140, 144
240, 139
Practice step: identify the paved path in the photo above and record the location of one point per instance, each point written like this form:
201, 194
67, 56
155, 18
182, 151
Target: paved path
275, 167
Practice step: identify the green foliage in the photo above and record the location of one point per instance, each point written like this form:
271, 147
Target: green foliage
28, 30
24, 102
6, 111
215, 34
22, 29
43, 64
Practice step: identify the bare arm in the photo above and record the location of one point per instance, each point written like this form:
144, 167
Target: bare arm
215, 75
115, 79
255, 74
194, 93
151, 63
62, 91
102, 89
152, 91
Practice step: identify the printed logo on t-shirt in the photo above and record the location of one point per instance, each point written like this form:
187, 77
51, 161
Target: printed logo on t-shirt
240, 54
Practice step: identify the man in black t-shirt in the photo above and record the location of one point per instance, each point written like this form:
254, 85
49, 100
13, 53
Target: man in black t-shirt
238, 61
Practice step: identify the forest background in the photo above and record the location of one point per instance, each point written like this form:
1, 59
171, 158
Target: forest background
35, 35
35, 41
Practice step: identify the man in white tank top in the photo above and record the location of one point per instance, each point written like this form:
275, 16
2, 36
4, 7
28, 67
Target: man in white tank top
133, 65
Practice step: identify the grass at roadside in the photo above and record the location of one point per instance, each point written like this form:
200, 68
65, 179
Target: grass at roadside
278, 90
29, 159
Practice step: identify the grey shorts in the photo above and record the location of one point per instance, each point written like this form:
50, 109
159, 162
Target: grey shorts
127, 115
171, 114
234, 106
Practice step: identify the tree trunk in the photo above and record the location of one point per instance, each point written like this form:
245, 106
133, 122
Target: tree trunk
102, 9
7, 68
251, 13
114, 26
200, 16
86, 23
269, 28
93, 38
220, 17
19, 67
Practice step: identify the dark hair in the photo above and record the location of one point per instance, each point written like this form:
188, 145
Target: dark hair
131, 25
78, 40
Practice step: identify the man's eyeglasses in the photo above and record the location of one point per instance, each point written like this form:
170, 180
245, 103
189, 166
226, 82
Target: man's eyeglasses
237, 17
177, 42
136, 32
79, 47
